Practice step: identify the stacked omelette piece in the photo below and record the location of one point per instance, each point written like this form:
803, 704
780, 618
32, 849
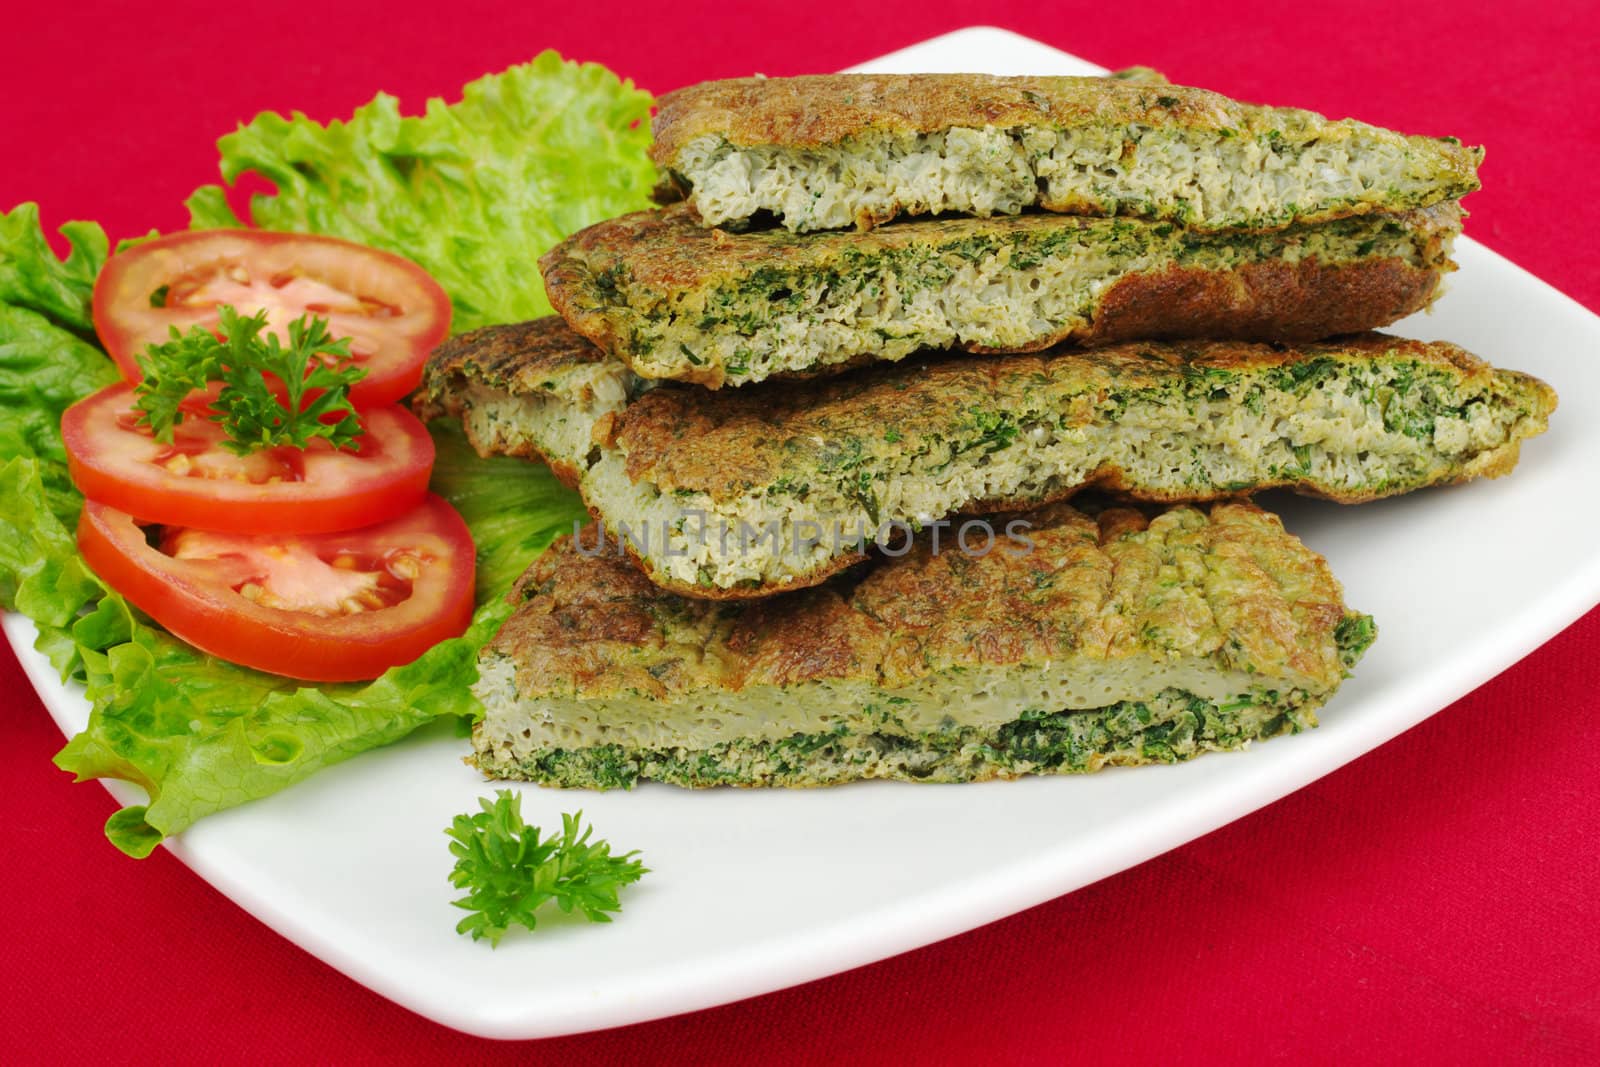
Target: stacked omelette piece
1051, 285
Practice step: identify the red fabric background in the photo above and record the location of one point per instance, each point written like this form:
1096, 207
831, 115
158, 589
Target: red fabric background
1437, 899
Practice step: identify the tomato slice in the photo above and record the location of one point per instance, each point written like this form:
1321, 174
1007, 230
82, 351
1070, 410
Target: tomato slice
321, 607
194, 481
392, 310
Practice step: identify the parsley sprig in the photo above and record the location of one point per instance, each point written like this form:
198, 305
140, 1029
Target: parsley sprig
246, 407
510, 871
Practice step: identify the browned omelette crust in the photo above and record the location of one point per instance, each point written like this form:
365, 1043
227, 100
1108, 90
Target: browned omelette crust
814, 111
1091, 587
518, 359
723, 444
604, 280
1269, 300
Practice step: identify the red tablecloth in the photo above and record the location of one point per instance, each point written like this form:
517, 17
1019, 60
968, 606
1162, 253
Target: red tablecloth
1439, 898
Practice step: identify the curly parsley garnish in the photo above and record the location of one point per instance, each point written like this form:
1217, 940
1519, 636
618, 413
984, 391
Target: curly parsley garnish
246, 407
509, 872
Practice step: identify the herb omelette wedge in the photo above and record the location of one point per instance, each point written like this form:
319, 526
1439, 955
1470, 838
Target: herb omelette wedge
830, 151
678, 301
742, 493
1104, 638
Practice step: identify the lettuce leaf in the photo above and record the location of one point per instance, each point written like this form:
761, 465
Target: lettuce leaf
43, 370
198, 734
514, 508
31, 277
41, 573
474, 191
45, 365
201, 735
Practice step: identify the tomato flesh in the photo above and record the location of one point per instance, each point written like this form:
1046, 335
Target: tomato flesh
389, 307
194, 481
291, 575
322, 607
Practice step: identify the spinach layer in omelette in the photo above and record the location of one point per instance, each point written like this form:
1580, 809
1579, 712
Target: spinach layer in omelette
1094, 638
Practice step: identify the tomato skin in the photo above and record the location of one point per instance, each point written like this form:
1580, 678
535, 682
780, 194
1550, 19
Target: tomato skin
192, 598
404, 315
338, 490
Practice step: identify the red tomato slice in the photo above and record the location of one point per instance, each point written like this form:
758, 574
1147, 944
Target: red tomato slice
194, 481
392, 310
324, 607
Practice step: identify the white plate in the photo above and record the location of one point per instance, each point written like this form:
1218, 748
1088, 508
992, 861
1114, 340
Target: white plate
752, 891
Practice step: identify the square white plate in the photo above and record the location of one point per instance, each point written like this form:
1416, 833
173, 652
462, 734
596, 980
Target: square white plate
752, 891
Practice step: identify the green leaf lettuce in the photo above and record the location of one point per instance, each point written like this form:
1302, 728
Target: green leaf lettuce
196, 733
31, 277
473, 191
199, 734
45, 364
